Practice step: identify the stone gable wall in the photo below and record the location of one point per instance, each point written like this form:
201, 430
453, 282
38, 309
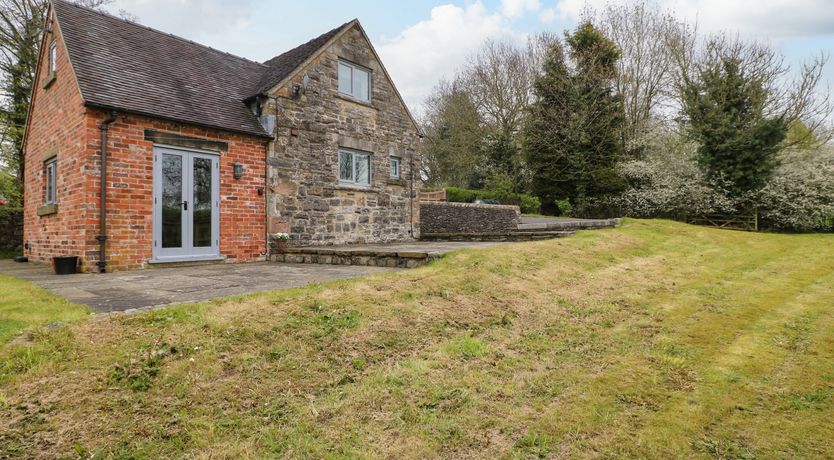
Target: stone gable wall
306, 198
446, 218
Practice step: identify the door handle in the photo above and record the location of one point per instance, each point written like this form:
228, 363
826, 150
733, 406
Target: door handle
185, 206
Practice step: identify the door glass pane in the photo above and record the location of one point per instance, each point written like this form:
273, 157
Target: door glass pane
360, 84
171, 201
344, 79
363, 169
345, 166
202, 203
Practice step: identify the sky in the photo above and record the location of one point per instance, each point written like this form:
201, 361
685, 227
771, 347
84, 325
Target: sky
421, 41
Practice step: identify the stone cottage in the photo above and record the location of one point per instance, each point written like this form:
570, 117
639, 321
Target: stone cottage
145, 148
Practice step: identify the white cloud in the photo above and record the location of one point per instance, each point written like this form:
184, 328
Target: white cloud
517, 8
770, 18
204, 17
548, 16
429, 50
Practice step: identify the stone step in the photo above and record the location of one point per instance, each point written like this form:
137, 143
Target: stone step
348, 256
503, 236
569, 225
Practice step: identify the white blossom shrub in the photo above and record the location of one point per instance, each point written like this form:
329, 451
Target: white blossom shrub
668, 183
800, 195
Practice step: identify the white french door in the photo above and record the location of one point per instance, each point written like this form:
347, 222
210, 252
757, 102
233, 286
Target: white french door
186, 205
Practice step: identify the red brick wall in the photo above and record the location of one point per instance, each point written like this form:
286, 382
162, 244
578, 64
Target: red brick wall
130, 191
60, 123
56, 127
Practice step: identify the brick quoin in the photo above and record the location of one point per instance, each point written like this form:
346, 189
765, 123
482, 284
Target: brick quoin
61, 126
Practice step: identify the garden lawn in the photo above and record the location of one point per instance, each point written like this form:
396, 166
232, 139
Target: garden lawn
24, 305
653, 340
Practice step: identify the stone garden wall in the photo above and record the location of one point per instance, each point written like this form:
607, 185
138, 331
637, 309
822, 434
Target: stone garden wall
448, 218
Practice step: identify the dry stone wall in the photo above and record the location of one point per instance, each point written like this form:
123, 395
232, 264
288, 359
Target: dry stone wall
451, 218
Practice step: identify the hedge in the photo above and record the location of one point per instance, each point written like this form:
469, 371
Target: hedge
11, 228
529, 204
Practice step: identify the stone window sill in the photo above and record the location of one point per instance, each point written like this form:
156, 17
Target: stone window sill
47, 82
400, 182
355, 188
367, 104
47, 209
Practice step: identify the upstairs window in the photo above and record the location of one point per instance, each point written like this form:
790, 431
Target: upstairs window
51, 181
53, 57
354, 81
354, 167
395, 168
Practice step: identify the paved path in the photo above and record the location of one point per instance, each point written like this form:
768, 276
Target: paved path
127, 290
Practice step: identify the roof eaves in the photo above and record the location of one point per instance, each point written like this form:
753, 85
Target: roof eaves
260, 134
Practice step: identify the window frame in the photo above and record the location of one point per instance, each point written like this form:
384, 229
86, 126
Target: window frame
354, 155
51, 181
53, 57
353, 67
398, 162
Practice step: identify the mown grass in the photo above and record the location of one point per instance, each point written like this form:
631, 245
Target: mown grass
653, 340
24, 305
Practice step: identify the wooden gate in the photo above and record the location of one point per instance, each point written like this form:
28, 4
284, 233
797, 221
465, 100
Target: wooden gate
746, 222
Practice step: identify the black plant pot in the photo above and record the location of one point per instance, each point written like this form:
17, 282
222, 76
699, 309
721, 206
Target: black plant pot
66, 265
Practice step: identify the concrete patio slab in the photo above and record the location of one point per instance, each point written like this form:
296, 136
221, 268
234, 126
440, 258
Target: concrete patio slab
120, 291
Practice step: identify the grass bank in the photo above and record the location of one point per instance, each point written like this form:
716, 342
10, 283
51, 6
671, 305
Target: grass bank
24, 305
653, 340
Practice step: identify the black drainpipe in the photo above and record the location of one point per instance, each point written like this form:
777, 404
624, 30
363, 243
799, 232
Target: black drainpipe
102, 211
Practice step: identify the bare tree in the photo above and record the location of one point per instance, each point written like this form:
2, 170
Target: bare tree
500, 77
645, 70
453, 136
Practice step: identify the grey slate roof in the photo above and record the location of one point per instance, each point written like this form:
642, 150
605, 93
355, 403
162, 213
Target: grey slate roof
125, 66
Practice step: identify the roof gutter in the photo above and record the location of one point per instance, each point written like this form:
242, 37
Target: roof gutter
102, 209
262, 135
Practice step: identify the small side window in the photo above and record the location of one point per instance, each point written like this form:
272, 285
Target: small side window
51, 172
395, 168
53, 57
